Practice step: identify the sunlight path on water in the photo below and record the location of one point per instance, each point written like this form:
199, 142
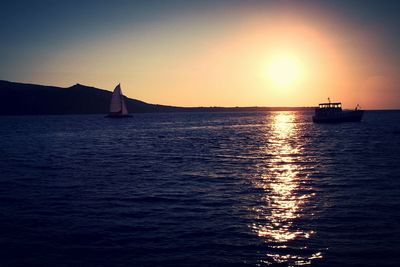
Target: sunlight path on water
282, 181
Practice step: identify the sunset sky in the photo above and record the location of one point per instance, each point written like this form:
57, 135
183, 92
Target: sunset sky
210, 53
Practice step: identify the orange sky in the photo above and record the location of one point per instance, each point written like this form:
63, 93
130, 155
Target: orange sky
242, 57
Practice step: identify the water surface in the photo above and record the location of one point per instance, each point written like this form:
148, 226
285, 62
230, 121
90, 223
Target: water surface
199, 189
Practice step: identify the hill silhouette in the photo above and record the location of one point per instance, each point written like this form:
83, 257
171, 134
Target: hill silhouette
32, 99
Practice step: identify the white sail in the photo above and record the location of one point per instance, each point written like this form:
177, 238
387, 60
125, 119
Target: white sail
116, 100
118, 105
124, 109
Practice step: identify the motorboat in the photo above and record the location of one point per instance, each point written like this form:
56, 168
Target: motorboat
333, 113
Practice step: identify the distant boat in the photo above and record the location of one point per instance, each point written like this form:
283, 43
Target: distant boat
117, 106
333, 113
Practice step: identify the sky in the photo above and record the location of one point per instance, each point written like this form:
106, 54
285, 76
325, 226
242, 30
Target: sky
210, 53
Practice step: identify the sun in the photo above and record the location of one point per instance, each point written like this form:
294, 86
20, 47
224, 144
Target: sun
284, 70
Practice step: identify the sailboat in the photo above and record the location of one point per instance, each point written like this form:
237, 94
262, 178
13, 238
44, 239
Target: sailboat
117, 106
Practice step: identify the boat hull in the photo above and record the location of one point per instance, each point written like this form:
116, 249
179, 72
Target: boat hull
345, 116
118, 116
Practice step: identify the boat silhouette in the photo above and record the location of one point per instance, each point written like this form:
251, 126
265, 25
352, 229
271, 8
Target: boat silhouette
333, 113
118, 106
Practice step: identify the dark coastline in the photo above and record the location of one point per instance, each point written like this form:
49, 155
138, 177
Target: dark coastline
32, 99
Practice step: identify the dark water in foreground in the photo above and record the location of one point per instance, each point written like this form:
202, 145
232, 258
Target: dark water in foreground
199, 190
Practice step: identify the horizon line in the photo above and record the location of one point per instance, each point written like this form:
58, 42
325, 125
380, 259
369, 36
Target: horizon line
188, 107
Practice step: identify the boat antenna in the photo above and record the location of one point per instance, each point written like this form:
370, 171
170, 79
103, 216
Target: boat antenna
329, 100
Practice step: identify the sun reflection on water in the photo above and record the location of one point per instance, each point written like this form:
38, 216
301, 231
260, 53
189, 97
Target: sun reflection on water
283, 200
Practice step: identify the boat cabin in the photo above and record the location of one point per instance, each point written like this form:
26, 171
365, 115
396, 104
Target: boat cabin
327, 110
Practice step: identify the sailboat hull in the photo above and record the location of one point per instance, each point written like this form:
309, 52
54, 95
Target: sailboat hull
118, 116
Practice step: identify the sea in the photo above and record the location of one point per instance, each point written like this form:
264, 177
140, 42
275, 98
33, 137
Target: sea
200, 189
